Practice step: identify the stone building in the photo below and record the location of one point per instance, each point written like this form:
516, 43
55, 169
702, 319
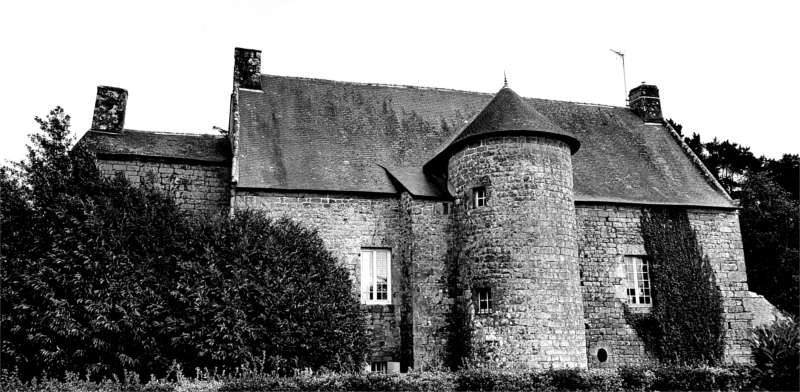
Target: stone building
541, 200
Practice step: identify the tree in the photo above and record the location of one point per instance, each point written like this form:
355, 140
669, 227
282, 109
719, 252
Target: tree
770, 235
99, 275
768, 193
785, 172
81, 261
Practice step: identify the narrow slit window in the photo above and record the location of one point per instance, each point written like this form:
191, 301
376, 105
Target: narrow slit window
483, 300
479, 197
637, 278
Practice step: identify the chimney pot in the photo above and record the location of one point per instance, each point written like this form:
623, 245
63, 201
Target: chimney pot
247, 68
109, 109
644, 99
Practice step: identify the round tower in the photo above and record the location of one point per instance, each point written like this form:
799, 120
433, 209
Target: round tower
510, 170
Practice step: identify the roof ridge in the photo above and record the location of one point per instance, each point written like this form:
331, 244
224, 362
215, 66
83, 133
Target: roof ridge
378, 84
408, 86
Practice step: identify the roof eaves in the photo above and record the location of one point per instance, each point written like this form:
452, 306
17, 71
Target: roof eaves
160, 158
639, 203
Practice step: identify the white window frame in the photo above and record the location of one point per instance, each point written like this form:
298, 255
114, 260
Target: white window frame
379, 367
638, 285
483, 296
478, 197
383, 367
369, 260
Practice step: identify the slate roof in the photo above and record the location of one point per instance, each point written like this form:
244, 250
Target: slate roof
320, 135
184, 146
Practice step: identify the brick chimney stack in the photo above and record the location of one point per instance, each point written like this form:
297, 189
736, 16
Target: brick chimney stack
247, 68
109, 109
645, 101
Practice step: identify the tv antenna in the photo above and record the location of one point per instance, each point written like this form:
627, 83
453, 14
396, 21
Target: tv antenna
624, 79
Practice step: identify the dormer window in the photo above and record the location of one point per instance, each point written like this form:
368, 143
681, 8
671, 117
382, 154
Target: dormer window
478, 197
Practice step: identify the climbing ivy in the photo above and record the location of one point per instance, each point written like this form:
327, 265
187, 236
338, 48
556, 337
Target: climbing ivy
686, 324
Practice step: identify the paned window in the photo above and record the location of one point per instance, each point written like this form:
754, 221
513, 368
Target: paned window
637, 279
478, 197
376, 276
483, 300
384, 367
379, 367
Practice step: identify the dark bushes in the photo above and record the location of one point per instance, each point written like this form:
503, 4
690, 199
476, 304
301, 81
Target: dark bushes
776, 349
99, 276
651, 378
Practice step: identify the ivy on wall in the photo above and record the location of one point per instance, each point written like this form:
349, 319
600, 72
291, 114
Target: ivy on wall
686, 324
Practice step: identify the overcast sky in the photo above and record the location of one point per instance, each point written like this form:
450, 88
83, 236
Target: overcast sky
725, 69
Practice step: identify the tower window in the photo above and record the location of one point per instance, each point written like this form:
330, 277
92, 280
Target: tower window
478, 197
483, 300
637, 280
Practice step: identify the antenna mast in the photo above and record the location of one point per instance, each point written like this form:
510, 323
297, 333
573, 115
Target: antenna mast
624, 79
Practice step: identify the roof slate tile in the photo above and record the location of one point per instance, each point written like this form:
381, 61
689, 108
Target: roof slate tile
315, 134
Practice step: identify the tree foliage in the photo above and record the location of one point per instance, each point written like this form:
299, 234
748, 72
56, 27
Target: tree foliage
99, 275
770, 235
767, 190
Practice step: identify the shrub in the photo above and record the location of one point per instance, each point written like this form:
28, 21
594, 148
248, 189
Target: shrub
84, 258
259, 290
776, 349
99, 276
248, 378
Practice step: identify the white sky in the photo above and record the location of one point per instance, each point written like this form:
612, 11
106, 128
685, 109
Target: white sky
725, 69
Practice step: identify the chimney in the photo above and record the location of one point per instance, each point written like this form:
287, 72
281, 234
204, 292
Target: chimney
645, 101
247, 68
109, 109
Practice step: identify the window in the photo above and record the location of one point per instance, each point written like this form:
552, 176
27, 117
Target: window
378, 367
478, 197
637, 279
445, 208
483, 300
376, 276
384, 367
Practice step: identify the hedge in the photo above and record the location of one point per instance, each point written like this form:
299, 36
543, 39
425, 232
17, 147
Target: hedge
645, 378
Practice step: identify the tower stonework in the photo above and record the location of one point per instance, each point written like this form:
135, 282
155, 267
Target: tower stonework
510, 171
521, 246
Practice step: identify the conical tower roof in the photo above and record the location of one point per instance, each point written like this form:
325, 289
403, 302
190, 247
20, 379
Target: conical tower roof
508, 114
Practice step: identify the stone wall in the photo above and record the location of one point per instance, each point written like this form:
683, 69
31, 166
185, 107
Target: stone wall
607, 233
521, 245
199, 187
764, 313
719, 235
430, 252
346, 223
